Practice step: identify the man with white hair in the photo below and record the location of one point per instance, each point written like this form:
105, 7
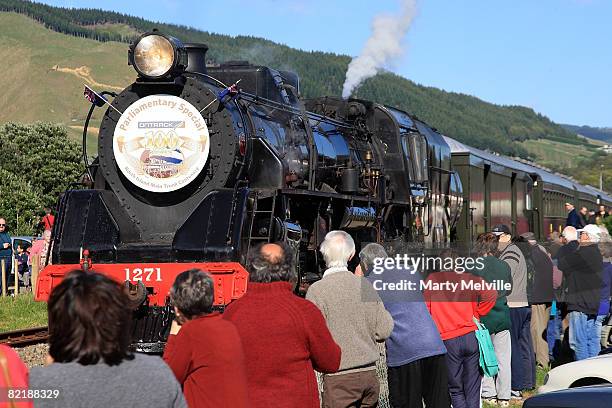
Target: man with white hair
582, 269
357, 320
569, 239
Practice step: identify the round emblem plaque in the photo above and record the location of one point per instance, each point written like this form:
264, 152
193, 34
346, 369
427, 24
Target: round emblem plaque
161, 143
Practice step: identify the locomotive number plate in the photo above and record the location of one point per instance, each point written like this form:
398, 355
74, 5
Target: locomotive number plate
143, 274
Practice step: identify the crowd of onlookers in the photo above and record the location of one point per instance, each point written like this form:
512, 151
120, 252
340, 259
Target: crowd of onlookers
23, 253
264, 349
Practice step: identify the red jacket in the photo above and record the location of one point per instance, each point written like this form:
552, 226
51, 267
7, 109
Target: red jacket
284, 338
13, 375
207, 359
453, 310
48, 221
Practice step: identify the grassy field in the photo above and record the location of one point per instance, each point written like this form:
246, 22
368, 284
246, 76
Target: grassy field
540, 374
556, 154
21, 312
33, 55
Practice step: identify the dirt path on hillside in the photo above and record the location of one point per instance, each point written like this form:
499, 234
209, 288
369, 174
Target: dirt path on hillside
84, 73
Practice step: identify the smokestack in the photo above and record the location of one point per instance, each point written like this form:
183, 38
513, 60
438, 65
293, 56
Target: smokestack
196, 57
383, 46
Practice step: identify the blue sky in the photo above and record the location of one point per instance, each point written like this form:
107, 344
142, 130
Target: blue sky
554, 56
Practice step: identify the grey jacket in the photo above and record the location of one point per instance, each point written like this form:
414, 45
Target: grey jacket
144, 382
513, 256
355, 315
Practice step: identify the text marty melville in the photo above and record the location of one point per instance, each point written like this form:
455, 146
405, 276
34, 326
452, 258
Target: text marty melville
498, 285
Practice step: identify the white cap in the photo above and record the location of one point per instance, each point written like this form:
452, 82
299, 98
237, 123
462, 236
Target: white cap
593, 231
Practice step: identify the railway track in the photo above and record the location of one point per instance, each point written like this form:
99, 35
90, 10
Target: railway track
25, 337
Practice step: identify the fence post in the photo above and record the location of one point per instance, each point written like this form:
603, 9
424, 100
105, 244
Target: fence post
3, 266
16, 269
35, 267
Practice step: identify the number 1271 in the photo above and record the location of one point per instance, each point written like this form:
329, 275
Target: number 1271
143, 274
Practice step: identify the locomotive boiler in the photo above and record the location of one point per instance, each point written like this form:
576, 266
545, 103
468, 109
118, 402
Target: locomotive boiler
196, 164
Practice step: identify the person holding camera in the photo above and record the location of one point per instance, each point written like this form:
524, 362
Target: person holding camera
204, 350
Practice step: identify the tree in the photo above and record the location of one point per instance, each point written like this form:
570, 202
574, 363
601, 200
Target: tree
19, 204
43, 155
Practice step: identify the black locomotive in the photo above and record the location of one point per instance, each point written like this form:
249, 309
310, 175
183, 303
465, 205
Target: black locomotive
195, 164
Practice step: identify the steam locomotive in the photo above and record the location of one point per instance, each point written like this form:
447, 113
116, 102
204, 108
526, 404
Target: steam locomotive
191, 172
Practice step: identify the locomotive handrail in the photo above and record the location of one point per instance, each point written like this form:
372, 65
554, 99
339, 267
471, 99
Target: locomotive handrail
85, 127
277, 105
84, 143
280, 106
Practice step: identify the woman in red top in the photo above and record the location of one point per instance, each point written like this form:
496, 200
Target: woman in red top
453, 309
204, 351
13, 379
284, 336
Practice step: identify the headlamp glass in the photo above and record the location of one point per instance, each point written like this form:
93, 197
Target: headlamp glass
154, 56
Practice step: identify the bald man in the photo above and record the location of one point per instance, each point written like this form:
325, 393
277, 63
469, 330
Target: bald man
284, 336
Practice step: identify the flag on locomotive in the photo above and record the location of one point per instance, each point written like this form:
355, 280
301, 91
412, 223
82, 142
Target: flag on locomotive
93, 97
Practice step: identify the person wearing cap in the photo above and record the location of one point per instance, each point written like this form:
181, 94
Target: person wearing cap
573, 219
522, 356
540, 296
497, 389
582, 270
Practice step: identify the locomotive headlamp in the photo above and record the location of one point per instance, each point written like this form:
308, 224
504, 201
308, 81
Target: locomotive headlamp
157, 56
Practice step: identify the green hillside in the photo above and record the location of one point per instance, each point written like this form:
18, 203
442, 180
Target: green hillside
47, 69
598, 133
558, 155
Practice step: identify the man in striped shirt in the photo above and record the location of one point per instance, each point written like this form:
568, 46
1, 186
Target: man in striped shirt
522, 357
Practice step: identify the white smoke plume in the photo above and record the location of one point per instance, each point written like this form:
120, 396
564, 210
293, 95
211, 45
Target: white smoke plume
383, 46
